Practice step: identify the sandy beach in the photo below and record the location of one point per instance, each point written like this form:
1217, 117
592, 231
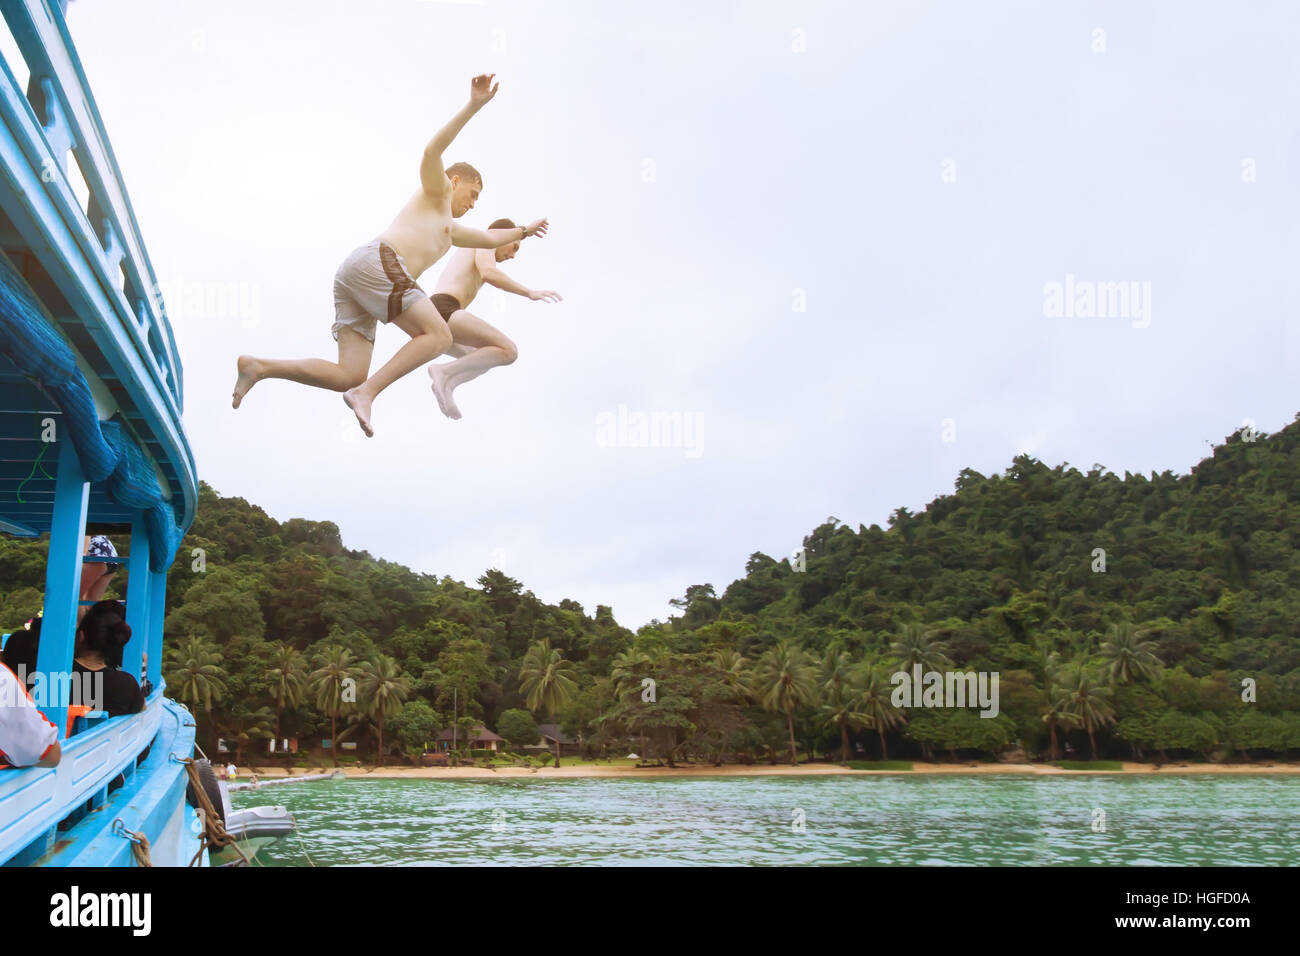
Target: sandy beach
737, 770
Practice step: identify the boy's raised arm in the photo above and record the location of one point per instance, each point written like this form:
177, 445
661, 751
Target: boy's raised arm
433, 177
469, 238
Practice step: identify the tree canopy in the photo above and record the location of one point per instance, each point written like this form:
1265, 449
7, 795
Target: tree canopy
1132, 615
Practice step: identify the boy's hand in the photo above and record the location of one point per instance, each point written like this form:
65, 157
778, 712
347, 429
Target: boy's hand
481, 89
542, 295
536, 228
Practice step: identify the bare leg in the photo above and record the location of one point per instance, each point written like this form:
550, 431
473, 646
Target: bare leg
430, 337
95, 579
440, 392
351, 369
481, 347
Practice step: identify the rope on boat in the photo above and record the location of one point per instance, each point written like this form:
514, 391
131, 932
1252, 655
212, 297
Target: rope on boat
44, 447
214, 830
36, 464
139, 843
302, 843
252, 858
140, 850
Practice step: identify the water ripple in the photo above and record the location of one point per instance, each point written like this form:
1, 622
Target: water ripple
882, 820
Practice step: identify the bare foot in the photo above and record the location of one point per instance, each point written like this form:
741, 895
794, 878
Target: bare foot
250, 373
441, 393
360, 405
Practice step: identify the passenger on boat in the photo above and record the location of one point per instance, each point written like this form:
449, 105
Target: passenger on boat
19, 653
102, 634
27, 737
96, 575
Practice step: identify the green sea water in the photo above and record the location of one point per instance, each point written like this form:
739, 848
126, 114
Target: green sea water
878, 820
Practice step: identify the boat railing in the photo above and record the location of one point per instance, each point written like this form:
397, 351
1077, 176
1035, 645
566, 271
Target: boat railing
75, 241
37, 799
56, 122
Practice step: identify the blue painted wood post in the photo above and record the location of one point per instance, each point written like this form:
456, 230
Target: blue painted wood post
63, 580
138, 604
157, 609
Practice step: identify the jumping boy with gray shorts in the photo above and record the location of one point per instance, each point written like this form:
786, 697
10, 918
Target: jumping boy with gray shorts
372, 283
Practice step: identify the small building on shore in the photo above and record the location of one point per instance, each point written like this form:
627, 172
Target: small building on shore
550, 733
480, 739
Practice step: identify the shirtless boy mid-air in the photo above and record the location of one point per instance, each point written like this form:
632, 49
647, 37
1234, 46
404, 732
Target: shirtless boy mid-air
479, 345
377, 281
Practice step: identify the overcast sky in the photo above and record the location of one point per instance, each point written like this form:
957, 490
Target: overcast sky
825, 235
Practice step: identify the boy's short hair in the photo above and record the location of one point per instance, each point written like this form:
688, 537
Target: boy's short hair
503, 224
466, 172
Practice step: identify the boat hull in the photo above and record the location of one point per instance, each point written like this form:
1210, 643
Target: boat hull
151, 802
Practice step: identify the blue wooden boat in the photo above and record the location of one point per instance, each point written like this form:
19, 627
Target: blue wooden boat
90, 437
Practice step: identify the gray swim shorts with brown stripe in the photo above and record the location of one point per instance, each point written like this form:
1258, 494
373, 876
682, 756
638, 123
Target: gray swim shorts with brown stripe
372, 285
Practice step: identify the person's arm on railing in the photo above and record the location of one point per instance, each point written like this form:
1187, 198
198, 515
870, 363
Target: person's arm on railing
52, 756
27, 737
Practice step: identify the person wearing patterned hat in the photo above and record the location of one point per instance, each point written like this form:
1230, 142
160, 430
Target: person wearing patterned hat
96, 575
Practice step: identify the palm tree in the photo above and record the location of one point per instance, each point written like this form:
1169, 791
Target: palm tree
547, 682
1132, 657
876, 707
287, 674
194, 675
1090, 705
784, 680
383, 686
840, 709
248, 724
840, 706
1057, 712
836, 668
733, 673
1055, 704
626, 670
914, 645
734, 670
327, 683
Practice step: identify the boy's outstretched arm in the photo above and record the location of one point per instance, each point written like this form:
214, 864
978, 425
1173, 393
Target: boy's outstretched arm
432, 175
486, 262
468, 238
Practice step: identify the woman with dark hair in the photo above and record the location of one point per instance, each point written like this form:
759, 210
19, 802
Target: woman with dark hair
101, 636
19, 653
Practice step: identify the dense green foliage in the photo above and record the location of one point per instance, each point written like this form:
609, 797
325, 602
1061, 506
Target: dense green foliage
1140, 651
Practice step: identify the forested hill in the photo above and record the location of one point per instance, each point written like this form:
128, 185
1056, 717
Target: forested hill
1208, 563
1036, 573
